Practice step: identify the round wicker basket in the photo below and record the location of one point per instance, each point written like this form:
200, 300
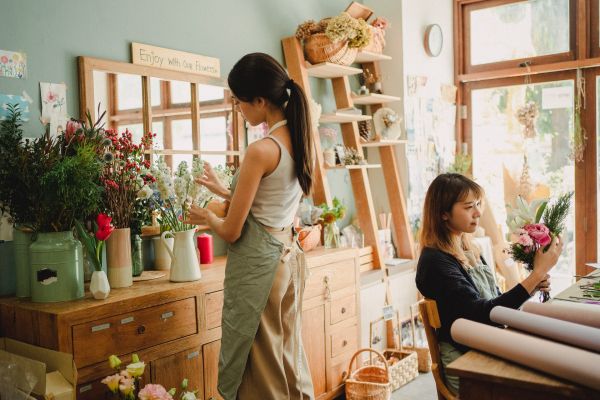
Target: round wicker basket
319, 48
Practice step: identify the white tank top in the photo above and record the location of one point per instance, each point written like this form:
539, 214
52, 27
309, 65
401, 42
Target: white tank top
278, 196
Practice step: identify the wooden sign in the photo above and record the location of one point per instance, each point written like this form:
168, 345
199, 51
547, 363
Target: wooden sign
159, 57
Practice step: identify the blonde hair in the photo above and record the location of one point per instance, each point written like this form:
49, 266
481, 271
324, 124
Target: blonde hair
443, 193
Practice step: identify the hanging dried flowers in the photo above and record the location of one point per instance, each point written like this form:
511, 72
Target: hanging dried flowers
307, 29
526, 116
343, 27
579, 139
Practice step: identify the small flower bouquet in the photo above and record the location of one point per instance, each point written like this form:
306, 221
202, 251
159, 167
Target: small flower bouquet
329, 216
176, 193
534, 226
125, 384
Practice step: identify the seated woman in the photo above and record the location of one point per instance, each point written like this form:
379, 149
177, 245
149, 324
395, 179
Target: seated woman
452, 272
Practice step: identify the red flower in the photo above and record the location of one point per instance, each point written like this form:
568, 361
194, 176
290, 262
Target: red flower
104, 227
72, 128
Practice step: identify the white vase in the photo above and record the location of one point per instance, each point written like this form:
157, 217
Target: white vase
99, 286
185, 266
162, 258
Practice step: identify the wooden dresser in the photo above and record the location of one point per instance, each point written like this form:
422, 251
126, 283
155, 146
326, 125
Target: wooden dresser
175, 327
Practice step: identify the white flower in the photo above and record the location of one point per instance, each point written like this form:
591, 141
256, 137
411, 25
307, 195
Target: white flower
145, 192
189, 396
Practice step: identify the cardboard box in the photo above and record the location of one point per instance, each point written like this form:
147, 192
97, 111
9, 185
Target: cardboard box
54, 372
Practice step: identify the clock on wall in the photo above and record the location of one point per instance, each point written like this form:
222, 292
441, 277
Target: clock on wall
434, 40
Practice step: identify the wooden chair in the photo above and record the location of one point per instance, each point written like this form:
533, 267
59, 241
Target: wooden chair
431, 321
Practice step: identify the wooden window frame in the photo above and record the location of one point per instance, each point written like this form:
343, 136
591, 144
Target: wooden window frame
468, 6
585, 55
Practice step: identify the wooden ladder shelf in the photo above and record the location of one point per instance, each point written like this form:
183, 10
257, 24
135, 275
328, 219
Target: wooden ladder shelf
300, 71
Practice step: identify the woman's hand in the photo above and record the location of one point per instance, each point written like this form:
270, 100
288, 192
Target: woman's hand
544, 261
544, 286
212, 182
198, 216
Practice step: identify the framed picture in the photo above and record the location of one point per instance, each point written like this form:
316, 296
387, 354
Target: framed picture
340, 154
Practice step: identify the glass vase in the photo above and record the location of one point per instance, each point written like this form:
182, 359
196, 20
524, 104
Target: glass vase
331, 236
137, 259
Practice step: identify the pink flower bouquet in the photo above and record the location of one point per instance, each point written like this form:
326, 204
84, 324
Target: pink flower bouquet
533, 226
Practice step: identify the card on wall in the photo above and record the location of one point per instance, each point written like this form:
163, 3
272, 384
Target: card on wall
13, 64
54, 101
21, 101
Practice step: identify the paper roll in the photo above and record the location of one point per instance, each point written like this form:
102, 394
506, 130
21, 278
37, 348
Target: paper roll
563, 331
580, 313
557, 359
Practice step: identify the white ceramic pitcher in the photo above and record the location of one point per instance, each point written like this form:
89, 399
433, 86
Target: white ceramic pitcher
185, 266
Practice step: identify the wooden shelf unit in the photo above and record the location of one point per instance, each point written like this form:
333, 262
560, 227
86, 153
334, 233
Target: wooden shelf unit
300, 71
368, 56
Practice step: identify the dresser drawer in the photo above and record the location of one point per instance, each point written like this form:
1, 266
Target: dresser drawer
343, 340
339, 372
342, 309
214, 309
329, 278
125, 333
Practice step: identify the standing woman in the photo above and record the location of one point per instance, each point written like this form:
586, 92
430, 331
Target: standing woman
452, 272
261, 348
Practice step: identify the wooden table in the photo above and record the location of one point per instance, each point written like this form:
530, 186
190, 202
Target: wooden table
485, 377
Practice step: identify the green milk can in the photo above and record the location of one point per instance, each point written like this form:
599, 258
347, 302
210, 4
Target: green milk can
21, 243
56, 264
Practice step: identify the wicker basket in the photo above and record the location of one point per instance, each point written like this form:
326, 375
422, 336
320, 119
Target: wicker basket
403, 366
370, 382
309, 237
319, 48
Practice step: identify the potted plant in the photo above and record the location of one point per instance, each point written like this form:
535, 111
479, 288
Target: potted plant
124, 177
68, 190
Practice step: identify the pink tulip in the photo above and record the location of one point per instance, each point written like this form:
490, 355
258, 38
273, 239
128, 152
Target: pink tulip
154, 392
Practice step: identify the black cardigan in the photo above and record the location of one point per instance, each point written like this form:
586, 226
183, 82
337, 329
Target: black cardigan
442, 278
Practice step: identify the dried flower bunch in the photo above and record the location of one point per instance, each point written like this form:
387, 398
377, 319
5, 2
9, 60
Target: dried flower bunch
381, 23
342, 27
526, 116
369, 78
352, 156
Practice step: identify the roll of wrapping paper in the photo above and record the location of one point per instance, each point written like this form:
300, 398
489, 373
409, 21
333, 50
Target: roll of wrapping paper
560, 360
584, 314
567, 332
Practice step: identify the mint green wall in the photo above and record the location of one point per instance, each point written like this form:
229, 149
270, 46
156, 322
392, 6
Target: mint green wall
53, 33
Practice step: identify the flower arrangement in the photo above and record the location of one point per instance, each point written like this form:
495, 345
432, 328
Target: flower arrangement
125, 383
526, 116
534, 226
176, 193
125, 174
329, 216
94, 242
340, 28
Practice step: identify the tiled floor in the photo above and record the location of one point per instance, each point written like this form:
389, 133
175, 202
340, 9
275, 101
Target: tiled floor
422, 388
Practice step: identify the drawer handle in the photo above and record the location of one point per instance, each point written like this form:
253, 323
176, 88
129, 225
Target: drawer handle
101, 327
344, 343
167, 315
327, 289
85, 388
141, 329
343, 310
127, 320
